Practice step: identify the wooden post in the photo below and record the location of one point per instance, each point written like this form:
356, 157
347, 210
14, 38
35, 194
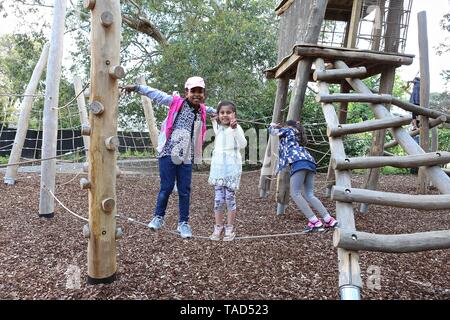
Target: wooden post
84, 120
377, 27
105, 44
354, 24
50, 119
24, 117
316, 11
350, 282
272, 146
378, 137
424, 96
149, 116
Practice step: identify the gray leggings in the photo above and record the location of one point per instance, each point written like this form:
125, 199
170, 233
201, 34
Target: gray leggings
303, 182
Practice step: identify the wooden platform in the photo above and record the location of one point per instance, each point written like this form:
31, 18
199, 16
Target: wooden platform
374, 61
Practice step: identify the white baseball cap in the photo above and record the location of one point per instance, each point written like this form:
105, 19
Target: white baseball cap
194, 82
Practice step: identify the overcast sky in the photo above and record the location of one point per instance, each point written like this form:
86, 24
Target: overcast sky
435, 9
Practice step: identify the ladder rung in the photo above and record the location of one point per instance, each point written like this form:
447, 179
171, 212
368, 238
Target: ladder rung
334, 74
421, 202
400, 243
368, 125
411, 161
355, 97
432, 123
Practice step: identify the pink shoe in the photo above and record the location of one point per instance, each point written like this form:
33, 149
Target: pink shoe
313, 227
331, 224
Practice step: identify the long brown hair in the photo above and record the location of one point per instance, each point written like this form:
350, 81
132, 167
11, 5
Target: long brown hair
299, 131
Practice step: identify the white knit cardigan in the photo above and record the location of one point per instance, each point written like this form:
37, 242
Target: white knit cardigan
226, 161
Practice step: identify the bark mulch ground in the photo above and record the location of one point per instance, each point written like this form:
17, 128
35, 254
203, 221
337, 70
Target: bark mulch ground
37, 254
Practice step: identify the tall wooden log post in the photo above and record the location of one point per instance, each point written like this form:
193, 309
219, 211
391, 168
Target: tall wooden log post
350, 282
313, 24
149, 116
386, 85
50, 118
267, 168
24, 117
84, 120
424, 95
105, 70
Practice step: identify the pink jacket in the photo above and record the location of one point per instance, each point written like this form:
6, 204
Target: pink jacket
167, 125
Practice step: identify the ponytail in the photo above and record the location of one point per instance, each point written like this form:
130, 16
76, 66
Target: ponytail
299, 131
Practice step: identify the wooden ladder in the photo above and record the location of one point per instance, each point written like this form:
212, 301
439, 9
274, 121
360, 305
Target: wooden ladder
346, 237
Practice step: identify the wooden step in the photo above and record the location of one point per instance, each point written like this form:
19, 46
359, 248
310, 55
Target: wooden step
421, 202
368, 125
355, 97
432, 123
412, 161
419, 110
398, 243
333, 74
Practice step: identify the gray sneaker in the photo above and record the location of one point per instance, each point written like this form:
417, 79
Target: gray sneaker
156, 223
184, 229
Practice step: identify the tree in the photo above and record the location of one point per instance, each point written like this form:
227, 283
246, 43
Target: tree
444, 47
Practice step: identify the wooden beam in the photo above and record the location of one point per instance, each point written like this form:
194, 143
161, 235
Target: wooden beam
284, 7
422, 183
334, 75
267, 169
50, 118
149, 115
413, 161
395, 243
349, 269
354, 23
336, 54
287, 66
419, 110
413, 201
355, 97
105, 43
369, 125
24, 117
439, 178
433, 123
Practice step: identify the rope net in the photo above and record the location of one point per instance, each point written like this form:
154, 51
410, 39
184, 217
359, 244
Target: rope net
136, 152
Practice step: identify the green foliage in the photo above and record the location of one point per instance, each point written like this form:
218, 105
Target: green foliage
444, 47
135, 154
19, 54
4, 160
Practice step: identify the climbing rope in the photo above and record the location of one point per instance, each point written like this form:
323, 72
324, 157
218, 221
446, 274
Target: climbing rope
132, 220
40, 160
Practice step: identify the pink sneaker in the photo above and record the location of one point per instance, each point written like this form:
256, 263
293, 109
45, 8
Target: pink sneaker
313, 227
331, 224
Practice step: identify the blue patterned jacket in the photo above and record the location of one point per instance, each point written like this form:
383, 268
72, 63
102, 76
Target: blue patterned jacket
289, 150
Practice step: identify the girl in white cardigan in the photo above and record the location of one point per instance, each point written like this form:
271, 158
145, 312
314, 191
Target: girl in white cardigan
226, 168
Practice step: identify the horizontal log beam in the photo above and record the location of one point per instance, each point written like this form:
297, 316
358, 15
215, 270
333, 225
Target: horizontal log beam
412, 161
419, 110
432, 123
420, 202
355, 97
395, 243
369, 125
349, 55
339, 74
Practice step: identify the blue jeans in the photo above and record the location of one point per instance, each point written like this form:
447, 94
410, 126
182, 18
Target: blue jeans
168, 172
